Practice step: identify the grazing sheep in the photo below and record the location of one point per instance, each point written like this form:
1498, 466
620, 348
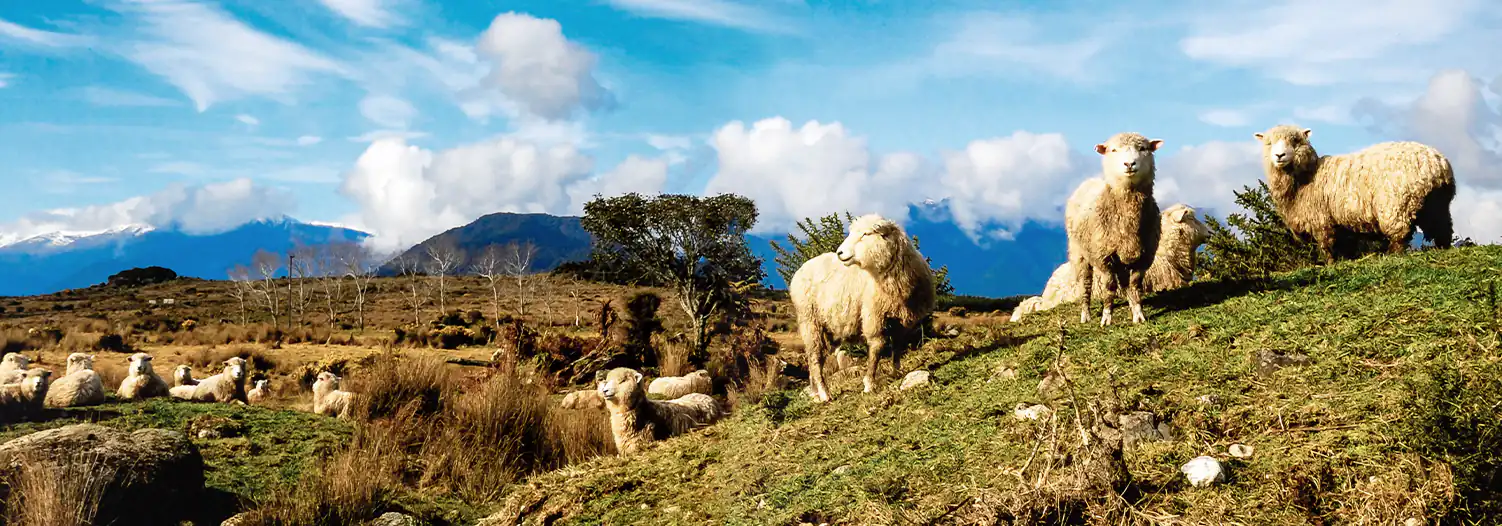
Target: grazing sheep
13, 368
141, 382
24, 398
1173, 266
81, 386
583, 399
676, 386
328, 399
875, 287
183, 375
227, 387
258, 393
1112, 225
636, 420
1387, 188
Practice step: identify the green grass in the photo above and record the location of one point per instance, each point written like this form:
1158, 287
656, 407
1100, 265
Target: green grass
1395, 416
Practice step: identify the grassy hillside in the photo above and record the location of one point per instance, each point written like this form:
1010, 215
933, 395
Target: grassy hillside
1392, 416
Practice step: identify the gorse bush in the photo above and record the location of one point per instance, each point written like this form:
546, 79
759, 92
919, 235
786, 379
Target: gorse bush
826, 235
1258, 243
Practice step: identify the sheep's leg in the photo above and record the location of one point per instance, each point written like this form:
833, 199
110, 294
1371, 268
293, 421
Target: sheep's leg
1398, 237
814, 344
1112, 281
1134, 295
874, 347
1085, 277
1326, 239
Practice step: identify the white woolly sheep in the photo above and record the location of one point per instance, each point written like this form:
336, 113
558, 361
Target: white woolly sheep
81, 386
227, 386
13, 368
1173, 266
257, 393
676, 386
24, 398
328, 399
141, 382
636, 420
183, 375
583, 399
1386, 188
875, 287
1112, 224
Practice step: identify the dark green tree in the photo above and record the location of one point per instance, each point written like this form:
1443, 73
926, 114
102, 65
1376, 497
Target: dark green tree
825, 235
693, 245
1264, 244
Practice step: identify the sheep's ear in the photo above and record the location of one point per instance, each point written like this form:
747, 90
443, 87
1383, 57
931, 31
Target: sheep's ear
1155, 144
1181, 214
600, 375
1259, 137
1100, 148
1306, 132
638, 376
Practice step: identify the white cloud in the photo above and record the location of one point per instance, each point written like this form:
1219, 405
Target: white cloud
1204, 176
194, 209
813, 170
717, 12
406, 193
212, 57
387, 111
669, 142
1224, 118
1329, 113
309, 140
187, 168
66, 181
248, 120
376, 135
5, 79
537, 69
994, 185
1007, 44
40, 37
368, 13
635, 174
102, 96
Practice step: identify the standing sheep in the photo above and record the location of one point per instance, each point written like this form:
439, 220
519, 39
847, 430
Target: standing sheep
13, 368
583, 399
257, 393
1112, 224
1386, 188
141, 382
81, 386
636, 420
24, 398
328, 399
676, 386
875, 287
227, 387
1173, 265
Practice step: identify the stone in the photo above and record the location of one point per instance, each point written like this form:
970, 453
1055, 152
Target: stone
1203, 471
914, 379
1241, 450
392, 518
1269, 360
1138, 426
841, 470
1003, 372
1031, 412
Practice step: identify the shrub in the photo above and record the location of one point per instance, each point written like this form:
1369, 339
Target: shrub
46, 493
389, 384
112, 343
1452, 417
1265, 245
137, 277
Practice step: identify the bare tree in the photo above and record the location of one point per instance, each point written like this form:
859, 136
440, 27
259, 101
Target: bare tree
574, 292
410, 267
356, 263
240, 289
266, 265
516, 262
443, 258
490, 266
327, 271
301, 261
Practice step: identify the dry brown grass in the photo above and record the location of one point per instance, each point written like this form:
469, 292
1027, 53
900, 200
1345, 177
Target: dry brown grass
351, 487
67, 493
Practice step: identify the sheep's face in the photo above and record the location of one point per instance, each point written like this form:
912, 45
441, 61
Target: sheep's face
872, 244
1128, 158
80, 362
261, 385
36, 380
1181, 220
16, 361
140, 364
182, 373
620, 386
235, 368
1285, 147
326, 380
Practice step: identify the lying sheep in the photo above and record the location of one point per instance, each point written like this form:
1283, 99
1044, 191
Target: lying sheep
141, 382
24, 399
875, 287
583, 399
183, 375
1112, 224
1173, 266
227, 386
257, 393
1387, 188
636, 420
676, 386
328, 399
81, 386
13, 368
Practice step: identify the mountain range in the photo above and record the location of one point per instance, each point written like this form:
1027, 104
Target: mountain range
51, 262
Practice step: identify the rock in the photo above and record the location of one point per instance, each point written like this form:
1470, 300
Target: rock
208, 426
1241, 450
1208, 399
1033, 412
1269, 361
914, 379
1203, 471
1165, 431
952, 332
1051, 386
237, 519
1413, 521
392, 518
1138, 426
841, 470
150, 476
1004, 372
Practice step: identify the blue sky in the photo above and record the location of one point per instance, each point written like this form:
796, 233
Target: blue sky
408, 117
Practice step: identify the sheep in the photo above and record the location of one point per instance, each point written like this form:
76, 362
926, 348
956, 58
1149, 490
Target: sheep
636, 420
183, 375
876, 286
227, 387
13, 368
676, 386
1173, 266
141, 382
1111, 224
81, 386
328, 399
583, 399
1386, 188
258, 393
24, 398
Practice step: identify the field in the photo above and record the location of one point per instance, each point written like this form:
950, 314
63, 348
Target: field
1366, 390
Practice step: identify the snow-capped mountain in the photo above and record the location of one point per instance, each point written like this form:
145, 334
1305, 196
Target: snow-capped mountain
64, 240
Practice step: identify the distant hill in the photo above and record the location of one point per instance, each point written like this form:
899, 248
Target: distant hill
53, 262
558, 239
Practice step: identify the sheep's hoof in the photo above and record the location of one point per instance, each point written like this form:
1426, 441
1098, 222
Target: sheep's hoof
1105, 318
